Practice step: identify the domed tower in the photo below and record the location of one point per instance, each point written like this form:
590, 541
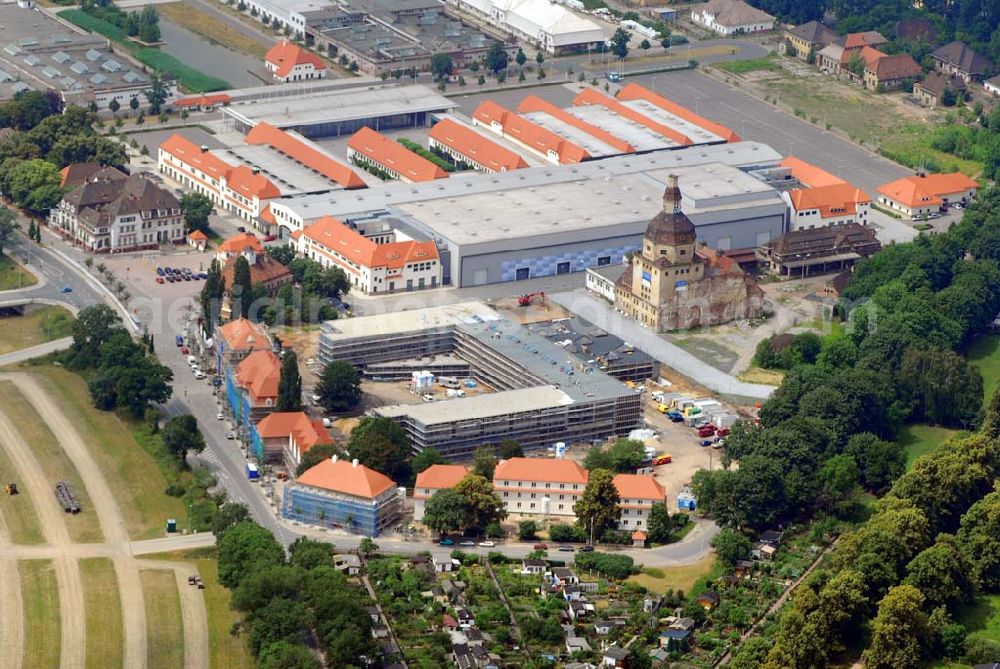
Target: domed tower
670, 235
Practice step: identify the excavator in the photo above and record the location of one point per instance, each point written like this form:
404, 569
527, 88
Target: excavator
526, 299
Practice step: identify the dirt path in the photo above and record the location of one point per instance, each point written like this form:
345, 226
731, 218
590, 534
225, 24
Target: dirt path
71, 608
106, 508
193, 614
11, 617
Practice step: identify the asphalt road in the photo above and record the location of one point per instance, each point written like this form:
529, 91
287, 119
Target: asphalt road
54, 275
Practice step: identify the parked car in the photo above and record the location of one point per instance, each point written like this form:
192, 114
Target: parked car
723, 432
705, 442
587, 549
160, 279
428, 397
675, 416
179, 340
468, 543
159, 271
65, 289
184, 350
706, 431
487, 544
446, 542
541, 547
270, 238
230, 435
199, 375
168, 271
220, 416
566, 549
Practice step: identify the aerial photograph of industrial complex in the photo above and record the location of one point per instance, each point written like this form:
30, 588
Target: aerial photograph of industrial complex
499, 334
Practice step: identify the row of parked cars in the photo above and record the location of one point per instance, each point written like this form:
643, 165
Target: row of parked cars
173, 274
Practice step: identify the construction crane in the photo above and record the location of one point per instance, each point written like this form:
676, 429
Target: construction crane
526, 299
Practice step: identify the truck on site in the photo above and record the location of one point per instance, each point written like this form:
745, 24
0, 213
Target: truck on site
252, 472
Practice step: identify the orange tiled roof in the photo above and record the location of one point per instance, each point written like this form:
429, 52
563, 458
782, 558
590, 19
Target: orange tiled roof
530, 134
394, 156
198, 236
267, 215
441, 476
265, 270
592, 97
307, 433
533, 103
832, 200
240, 178
242, 334
635, 486
539, 469
633, 91
209, 100
809, 174
870, 56
286, 55
302, 151
470, 143
859, 40
190, 153
347, 478
336, 236
927, 190
259, 373
241, 242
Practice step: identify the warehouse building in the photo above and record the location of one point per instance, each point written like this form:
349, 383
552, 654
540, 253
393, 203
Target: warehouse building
340, 111
466, 145
552, 27
344, 495
545, 221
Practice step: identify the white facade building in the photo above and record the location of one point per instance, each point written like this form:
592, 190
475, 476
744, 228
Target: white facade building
536, 486
732, 17
554, 28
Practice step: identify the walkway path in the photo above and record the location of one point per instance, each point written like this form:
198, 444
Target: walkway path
59, 548
603, 315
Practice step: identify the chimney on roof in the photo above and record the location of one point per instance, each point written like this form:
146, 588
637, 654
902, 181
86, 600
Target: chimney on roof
354, 462
255, 171
672, 196
204, 148
334, 458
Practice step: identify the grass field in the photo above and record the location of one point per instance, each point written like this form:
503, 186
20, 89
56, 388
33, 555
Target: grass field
40, 594
37, 326
83, 527
984, 354
211, 28
772, 377
12, 275
105, 641
164, 627
20, 522
683, 578
189, 78
133, 475
921, 439
750, 65
982, 617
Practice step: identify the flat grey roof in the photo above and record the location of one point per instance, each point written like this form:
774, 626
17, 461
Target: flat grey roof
341, 105
479, 407
290, 176
592, 144
716, 186
395, 194
636, 134
696, 133
407, 321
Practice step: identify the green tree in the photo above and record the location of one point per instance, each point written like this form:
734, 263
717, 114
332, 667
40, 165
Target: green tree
496, 58
482, 504
381, 444
619, 43
242, 290
942, 573
539, 58
114, 105
645, 45
289, 384
245, 548
34, 185
979, 538
445, 512
285, 655
425, 458
197, 209
210, 297
898, 631
339, 387
856, 65
181, 434
441, 66
367, 547
484, 461
8, 224
308, 553
839, 476
944, 387
731, 545
156, 94
134, 103
659, 525
597, 508
510, 448
880, 462
527, 530
520, 58
94, 326
282, 619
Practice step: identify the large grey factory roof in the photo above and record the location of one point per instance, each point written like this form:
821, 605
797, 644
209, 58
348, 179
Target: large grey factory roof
479, 407
406, 321
342, 105
739, 154
716, 186
546, 360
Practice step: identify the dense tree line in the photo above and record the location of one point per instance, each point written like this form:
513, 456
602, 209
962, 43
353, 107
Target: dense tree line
122, 372
293, 604
913, 308
47, 141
